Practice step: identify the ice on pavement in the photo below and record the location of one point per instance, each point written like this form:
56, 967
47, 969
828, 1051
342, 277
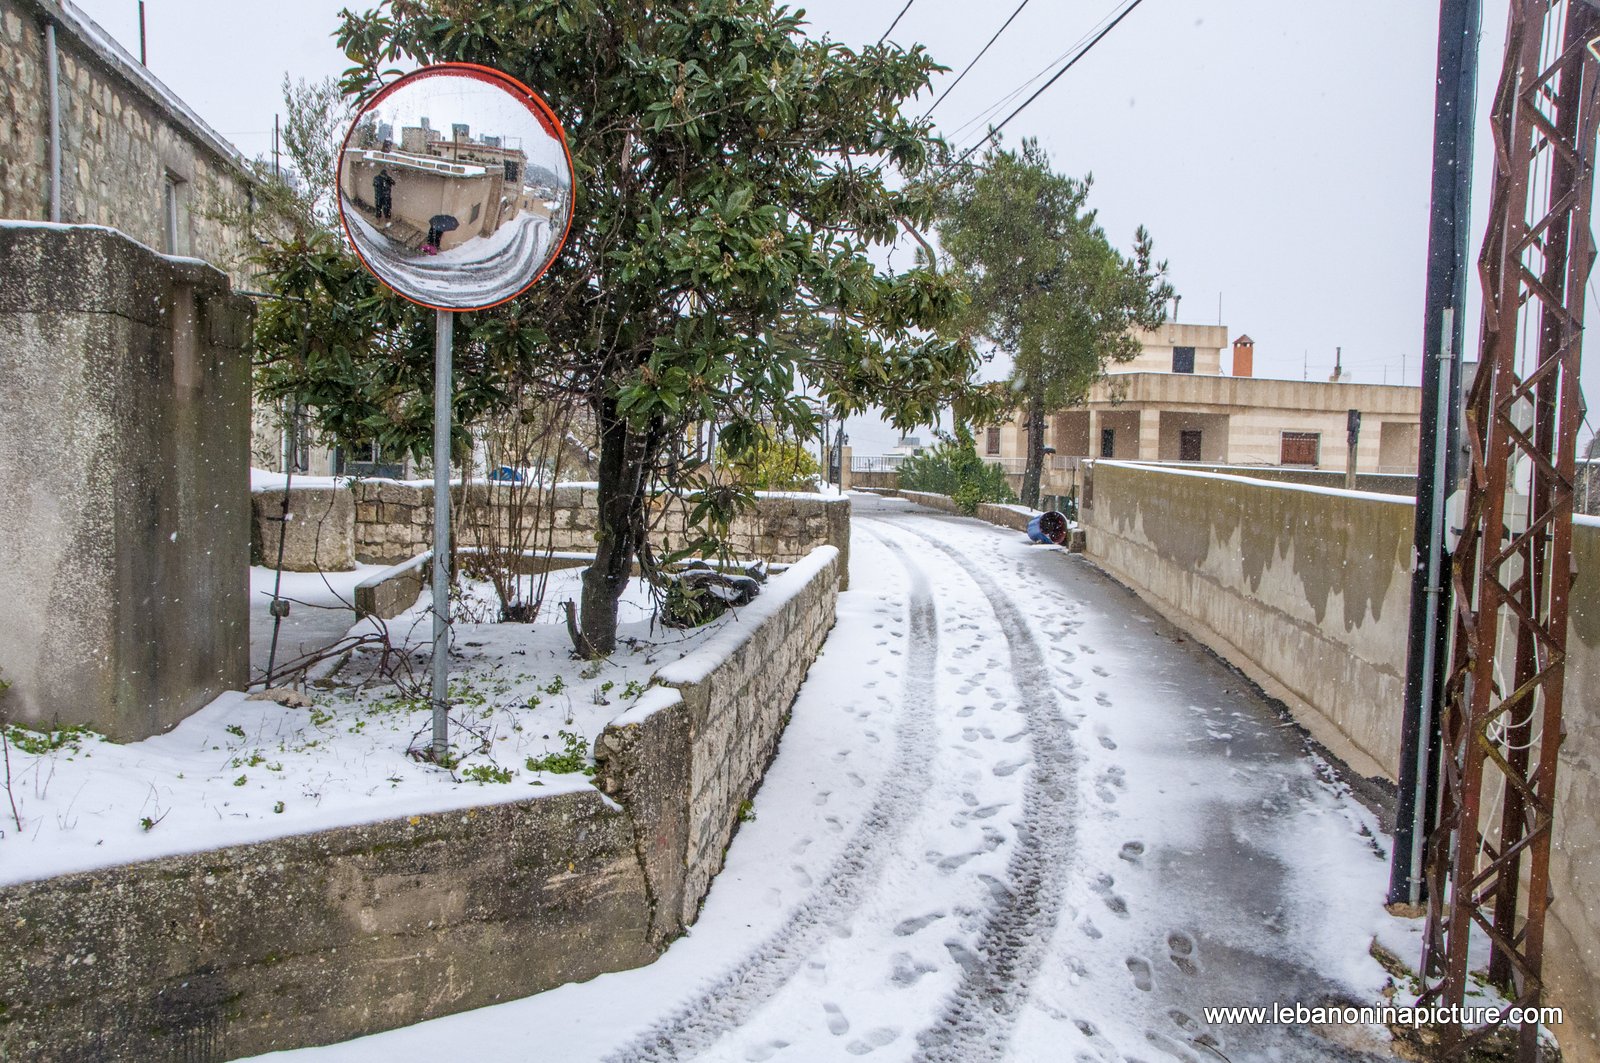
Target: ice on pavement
1015, 816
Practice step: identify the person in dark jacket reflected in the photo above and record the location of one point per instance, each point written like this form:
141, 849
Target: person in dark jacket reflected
383, 194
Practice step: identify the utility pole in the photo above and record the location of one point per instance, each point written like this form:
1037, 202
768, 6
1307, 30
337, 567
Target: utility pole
1352, 438
1443, 330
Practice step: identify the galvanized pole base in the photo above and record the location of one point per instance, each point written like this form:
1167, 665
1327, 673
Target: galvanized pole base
444, 344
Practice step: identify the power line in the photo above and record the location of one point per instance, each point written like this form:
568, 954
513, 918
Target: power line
982, 115
975, 58
896, 21
1042, 88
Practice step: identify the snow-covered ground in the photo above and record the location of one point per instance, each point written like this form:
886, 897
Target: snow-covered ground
242, 771
479, 272
1016, 816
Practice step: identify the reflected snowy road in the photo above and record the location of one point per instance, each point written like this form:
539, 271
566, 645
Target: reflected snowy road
1016, 816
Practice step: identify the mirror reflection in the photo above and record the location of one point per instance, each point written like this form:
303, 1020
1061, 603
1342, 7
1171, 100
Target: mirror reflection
455, 188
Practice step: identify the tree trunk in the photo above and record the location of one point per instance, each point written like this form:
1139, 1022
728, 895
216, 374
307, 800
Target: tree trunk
619, 523
1034, 469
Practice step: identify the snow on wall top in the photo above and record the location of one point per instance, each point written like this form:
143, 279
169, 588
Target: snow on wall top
105, 47
1251, 481
779, 592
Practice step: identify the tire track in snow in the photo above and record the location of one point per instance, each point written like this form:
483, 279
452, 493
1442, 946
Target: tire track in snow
728, 1002
978, 1018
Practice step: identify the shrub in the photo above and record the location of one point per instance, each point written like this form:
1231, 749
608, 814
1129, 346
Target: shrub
953, 468
771, 462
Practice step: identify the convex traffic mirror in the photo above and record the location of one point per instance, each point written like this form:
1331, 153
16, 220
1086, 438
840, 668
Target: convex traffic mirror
455, 186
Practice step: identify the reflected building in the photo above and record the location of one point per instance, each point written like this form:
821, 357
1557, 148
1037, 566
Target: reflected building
479, 183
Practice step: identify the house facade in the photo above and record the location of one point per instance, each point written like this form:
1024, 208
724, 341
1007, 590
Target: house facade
1173, 403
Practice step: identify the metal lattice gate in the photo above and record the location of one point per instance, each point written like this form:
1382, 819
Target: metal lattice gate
1512, 573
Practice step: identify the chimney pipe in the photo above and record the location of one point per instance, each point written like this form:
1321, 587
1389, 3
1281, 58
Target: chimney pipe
1244, 356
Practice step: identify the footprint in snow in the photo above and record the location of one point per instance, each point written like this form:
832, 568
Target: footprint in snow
800, 846
1132, 852
1103, 700
801, 875
1100, 671
966, 710
821, 798
834, 824
1140, 969
907, 927
764, 1051
1183, 952
1008, 767
838, 1025
907, 972
1091, 931
1106, 741
872, 1040
855, 780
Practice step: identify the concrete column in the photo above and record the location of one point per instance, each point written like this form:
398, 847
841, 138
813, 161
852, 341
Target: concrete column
844, 467
1094, 434
1149, 435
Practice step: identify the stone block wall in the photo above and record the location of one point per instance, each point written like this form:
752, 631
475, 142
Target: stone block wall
394, 521
318, 536
1308, 592
689, 760
122, 444
123, 136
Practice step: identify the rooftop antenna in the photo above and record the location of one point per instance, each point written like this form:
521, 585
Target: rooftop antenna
141, 35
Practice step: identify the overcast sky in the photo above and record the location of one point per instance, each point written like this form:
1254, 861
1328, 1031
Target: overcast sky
1278, 152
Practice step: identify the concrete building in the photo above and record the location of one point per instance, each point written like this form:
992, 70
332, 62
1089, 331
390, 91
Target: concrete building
1173, 403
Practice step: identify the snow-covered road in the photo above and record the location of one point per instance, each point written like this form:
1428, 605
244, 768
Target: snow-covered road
1016, 816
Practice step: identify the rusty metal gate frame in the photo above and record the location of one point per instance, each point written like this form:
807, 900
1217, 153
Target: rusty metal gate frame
1522, 421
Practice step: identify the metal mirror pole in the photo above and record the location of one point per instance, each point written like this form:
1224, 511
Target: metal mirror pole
444, 340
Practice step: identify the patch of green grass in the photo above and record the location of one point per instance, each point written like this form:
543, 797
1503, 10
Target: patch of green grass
41, 742
573, 757
486, 773
747, 810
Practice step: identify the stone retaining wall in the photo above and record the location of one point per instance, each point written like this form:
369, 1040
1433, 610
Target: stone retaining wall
317, 537
689, 760
322, 937
393, 521
1308, 593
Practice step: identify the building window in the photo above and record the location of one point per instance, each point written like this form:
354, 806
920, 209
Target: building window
1300, 448
1108, 442
1183, 359
991, 441
172, 234
1189, 445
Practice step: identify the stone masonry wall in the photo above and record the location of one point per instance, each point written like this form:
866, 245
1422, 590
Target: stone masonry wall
394, 521
122, 136
322, 937
686, 762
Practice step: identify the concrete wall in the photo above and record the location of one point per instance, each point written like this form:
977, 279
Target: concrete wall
1308, 593
326, 936
122, 445
123, 134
